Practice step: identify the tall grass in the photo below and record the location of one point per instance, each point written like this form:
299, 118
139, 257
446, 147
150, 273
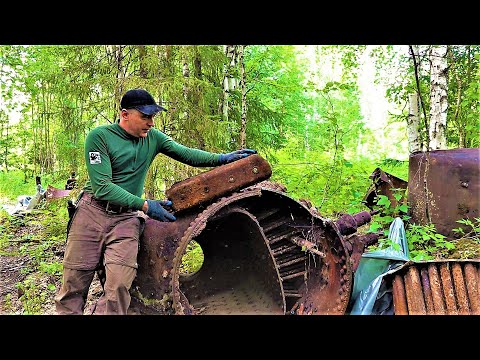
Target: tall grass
14, 184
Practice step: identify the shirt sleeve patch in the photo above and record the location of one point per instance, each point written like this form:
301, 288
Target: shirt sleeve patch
95, 157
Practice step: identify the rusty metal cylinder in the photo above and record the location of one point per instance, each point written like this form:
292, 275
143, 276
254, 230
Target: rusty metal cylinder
348, 224
443, 187
399, 296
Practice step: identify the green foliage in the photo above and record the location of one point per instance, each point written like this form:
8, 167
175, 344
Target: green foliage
278, 95
55, 218
8, 303
7, 224
34, 295
192, 260
388, 212
35, 236
463, 84
54, 268
473, 229
424, 243
395, 167
333, 189
14, 183
318, 161
463, 126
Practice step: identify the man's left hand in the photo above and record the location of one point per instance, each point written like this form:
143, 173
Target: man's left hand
236, 155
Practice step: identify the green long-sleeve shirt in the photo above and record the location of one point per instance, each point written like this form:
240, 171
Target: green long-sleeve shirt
117, 162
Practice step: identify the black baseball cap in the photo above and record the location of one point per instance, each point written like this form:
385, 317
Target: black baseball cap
141, 100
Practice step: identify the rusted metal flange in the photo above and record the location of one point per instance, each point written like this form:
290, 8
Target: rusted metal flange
264, 253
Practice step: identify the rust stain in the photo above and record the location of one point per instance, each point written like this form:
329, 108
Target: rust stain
448, 292
444, 187
427, 292
460, 290
263, 252
437, 293
383, 183
399, 299
213, 184
416, 301
472, 284
436, 287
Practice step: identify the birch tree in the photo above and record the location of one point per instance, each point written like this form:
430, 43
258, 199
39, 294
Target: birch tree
243, 127
438, 97
413, 125
229, 81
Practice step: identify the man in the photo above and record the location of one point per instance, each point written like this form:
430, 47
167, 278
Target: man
106, 226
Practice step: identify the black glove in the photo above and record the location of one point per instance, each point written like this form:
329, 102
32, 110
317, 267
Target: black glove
236, 155
157, 212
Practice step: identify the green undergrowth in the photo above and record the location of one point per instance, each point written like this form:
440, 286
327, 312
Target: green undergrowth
35, 236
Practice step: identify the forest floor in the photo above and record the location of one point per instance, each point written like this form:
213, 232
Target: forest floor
30, 270
11, 274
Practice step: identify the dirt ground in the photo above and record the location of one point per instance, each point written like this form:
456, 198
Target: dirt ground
14, 268
11, 274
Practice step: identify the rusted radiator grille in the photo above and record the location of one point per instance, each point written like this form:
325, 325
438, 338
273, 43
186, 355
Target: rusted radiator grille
448, 287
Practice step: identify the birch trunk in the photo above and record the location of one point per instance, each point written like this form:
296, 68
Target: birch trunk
186, 75
185, 90
438, 97
243, 127
413, 125
229, 82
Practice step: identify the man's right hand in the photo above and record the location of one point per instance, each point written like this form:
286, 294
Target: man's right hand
158, 212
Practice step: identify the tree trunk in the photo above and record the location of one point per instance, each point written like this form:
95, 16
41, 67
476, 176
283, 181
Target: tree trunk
243, 128
438, 97
413, 125
142, 52
118, 51
229, 81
